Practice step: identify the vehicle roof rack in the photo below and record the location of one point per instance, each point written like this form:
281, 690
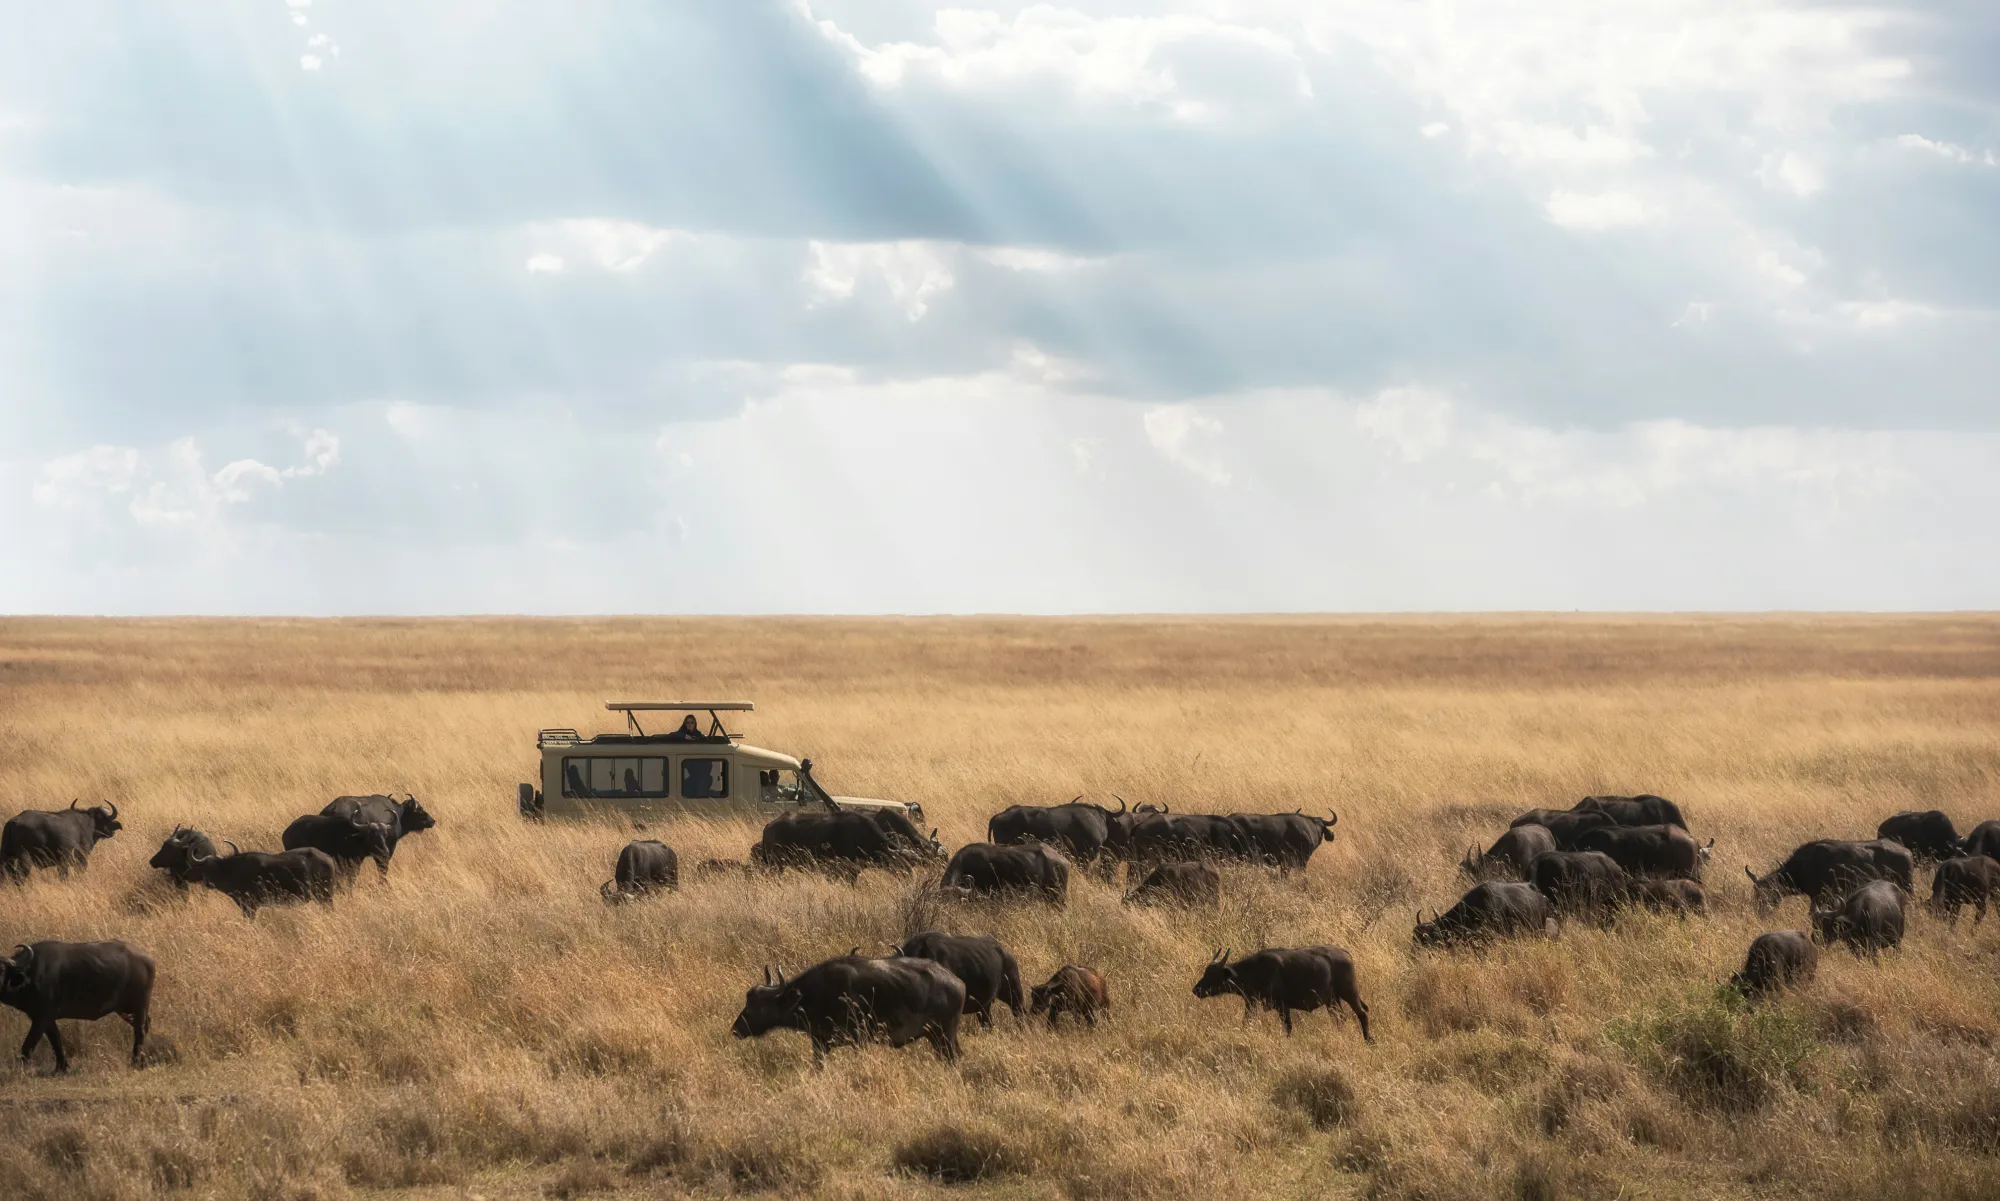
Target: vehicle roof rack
632, 709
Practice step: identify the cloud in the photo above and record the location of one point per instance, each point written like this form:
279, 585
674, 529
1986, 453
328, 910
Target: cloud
1186, 438
170, 486
1598, 211
914, 273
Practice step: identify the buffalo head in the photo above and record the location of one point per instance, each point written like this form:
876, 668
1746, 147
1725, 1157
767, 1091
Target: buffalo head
1766, 890
1218, 978
180, 847
414, 817
14, 971
772, 1005
103, 820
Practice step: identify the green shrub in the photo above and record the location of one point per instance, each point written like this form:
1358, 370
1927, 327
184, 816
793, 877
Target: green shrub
1719, 1053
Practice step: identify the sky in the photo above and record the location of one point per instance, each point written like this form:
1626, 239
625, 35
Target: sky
878, 306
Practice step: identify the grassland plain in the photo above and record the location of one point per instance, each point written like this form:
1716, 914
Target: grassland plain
482, 1026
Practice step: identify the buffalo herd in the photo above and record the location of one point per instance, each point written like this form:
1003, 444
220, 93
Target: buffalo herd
1593, 861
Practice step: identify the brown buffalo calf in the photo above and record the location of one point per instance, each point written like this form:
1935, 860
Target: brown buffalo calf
1073, 989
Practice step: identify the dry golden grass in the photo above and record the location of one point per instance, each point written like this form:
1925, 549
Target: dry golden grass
482, 1025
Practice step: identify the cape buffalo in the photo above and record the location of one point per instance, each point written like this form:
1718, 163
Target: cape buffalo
982, 869
1496, 908
841, 843
1164, 837
1927, 833
1073, 989
1089, 834
406, 816
1510, 854
1566, 826
1285, 840
1984, 840
1777, 960
1179, 884
644, 866
77, 981
403, 818
853, 998
1831, 865
257, 878
1578, 882
61, 839
348, 841
1967, 880
987, 970
1867, 919
173, 855
1642, 810
1649, 850
1287, 979
1680, 897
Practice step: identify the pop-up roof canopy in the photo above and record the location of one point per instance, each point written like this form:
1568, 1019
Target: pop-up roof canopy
632, 709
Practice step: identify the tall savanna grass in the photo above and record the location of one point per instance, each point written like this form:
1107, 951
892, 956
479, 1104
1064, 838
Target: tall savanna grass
482, 1025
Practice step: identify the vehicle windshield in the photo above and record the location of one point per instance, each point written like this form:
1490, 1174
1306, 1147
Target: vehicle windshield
780, 786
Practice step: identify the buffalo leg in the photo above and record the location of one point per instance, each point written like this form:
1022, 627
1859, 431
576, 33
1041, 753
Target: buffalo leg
1285, 1016
34, 1038
1089, 1015
1360, 1009
142, 1024
55, 1044
1978, 911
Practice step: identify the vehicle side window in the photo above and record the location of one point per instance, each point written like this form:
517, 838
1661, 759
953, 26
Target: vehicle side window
704, 779
592, 776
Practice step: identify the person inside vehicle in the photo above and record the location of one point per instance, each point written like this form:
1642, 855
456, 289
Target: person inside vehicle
690, 730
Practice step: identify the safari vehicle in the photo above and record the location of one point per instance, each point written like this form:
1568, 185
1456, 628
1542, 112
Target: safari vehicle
685, 771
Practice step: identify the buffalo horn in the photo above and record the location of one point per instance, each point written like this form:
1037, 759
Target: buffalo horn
232, 847
1075, 799
73, 800
781, 977
114, 809
1749, 873
1120, 800
1332, 818
606, 889
24, 955
767, 975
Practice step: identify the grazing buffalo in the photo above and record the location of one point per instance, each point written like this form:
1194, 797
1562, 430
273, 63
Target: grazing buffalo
854, 998
987, 970
1164, 837
1928, 834
1968, 880
1088, 834
257, 878
61, 839
1984, 840
1073, 989
1285, 841
1868, 919
1649, 850
348, 841
1832, 866
1578, 882
644, 866
77, 981
842, 843
1777, 960
1566, 826
1287, 979
174, 854
983, 869
1496, 908
1510, 854
1679, 897
1642, 810
1179, 884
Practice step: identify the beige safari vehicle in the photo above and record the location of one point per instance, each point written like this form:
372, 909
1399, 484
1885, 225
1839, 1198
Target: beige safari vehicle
687, 770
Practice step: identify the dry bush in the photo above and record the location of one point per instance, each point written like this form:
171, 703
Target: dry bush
481, 1023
